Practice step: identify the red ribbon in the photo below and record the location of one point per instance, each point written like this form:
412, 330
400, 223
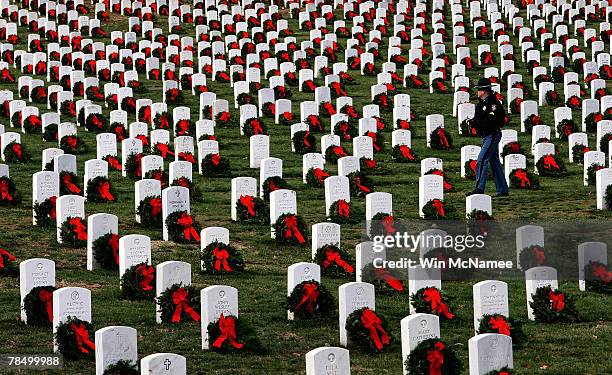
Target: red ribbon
147, 273
372, 323
602, 273
256, 126
435, 359
432, 295
468, 63
332, 257
320, 174
17, 149
113, 162
292, 228
442, 136
215, 159
488, 58
179, 298
228, 332
550, 163
339, 151
500, 325
439, 206
365, 189
163, 149
406, 152
113, 242
187, 157
9, 256
521, 174
46, 297
447, 186
4, 192
221, 256
305, 139
79, 228
309, 297
473, 163
373, 136
343, 209
67, 181
539, 255
104, 191
391, 281
52, 212
557, 300
81, 334
186, 221
247, 201
389, 224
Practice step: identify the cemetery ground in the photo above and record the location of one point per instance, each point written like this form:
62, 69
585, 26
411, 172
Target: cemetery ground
579, 348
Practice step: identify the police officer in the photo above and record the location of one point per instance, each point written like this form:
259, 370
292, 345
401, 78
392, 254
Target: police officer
489, 118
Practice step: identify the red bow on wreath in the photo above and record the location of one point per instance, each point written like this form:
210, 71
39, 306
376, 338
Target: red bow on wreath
500, 325
521, 174
52, 212
79, 228
147, 273
435, 359
473, 163
104, 191
389, 279
373, 136
186, 221
439, 206
156, 207
320, 174
17, 150
81, 335
9, 256
292, 229
67, 181
164, 149
215, 159
221, 257
432, 295
360, 186
339, 152
602, 273
256, 126
332, 257
329, 108
4, 191
550, 163
557, 300
372, 323
228, 332
343, 209
442, 136
46, 297
247, 201
179, 298
187, 157
113, 242
406, 152
440, 86
114, 163
309, 298
389, 224
305, 139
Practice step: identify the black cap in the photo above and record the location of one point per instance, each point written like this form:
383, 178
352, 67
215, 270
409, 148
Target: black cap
484, 84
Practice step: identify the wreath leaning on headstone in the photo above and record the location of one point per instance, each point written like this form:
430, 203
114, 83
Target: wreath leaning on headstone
431, 300
230, 334
497, 323
310, 299
9, 195
334, 261
368, 331
38, 306
73, 232
179, 303
433, 353
137, 282
291, 229
598, 278
73, 339
221, 258
106, 251
553, 306
252, 209
182, 228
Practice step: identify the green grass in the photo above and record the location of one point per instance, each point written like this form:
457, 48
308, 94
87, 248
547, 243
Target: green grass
552, 349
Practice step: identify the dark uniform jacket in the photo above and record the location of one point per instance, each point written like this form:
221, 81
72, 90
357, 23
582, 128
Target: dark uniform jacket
489, 116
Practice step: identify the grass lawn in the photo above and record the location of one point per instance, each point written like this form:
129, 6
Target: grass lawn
552, 349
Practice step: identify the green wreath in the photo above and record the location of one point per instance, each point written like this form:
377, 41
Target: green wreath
608, 197
259, 208
69, 185
103, 251
318, 303
167, 307
133, 166
95, 195
215, 165
73, 144
14, 152
345, 130
122, 367
512, 148
50, 133
96, 122
32, 124
313, 180
176, 231
66, 339
246, 338
138, 283
420, 305
360, 184
591, 171
528, 181
10, 195
162, 120
470, 173
219, 258
334, 261
44, 212
418, 364
404, 154
146, 212
285, 233
565, 128
436, 139
333, 153
597, 278
185, 127
36, 309
158, 174
551, 171
603, 143
273, 183
578, 152
9, 266
488, 321
254, 126
304, 142
69, 235
383, 224
334, 212
359, 335
386, 281
431, 213
544, 311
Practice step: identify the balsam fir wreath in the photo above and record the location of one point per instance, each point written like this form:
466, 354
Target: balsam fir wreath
565, 128
345, 130
291, 229
431, 300
578, 151
96, 122
138, 282
378, 140
598, 278
185, 127
220, 258
386, 281
273, 183
119, 130
360, 184
73, 339
440, 139
433, 356
14, 152
9, 195
333, 153
113, 162
38, 306
158, 174
45, 213
315, 124
603, 143
438, 209
512, 148
162, 120
591, 171
122, 367
215, 165
497, 323
73, 232
50, 133
531, 121
334, 261
69, 184
100, 190
340, 212
8, 266
523, 179
404, 154
162, 149
150, 212
194, 191
73, 144
254, 126
182, 228
310, 299
383, 224
551, 166
179, 303
553, 306
32, 124
470, 169
479, 222
368, 331
106, 251
315, 177
230, 334
252, 209
133, 165
304, 142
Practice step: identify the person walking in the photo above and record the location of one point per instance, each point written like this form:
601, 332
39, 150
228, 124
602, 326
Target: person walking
489, 118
